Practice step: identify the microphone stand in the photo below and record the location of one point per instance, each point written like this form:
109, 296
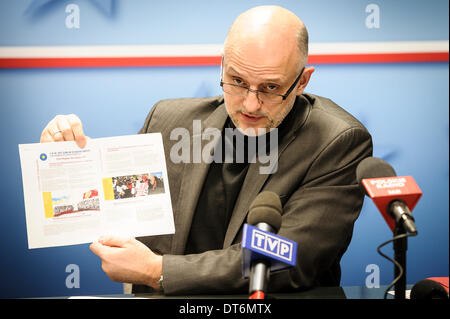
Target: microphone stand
400, 248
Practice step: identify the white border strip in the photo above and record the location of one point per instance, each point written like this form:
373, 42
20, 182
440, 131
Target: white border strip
111, 51
213, 49
378, 47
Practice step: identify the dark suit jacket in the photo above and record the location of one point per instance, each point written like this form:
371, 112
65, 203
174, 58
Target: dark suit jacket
315, 180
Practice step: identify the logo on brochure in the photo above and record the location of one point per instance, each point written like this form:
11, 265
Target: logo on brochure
43, 157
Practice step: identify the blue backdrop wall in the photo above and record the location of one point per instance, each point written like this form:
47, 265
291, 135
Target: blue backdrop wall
404, 106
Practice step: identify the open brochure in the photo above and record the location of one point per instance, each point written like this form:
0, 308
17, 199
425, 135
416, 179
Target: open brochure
112, 186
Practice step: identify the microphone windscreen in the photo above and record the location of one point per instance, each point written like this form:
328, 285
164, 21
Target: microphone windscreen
266, 208
428, 289
373, 167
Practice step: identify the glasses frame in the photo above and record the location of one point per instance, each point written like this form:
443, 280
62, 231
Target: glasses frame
284, 96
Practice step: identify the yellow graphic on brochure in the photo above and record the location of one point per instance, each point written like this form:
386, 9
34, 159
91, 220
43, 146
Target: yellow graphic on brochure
48, 204
108, 190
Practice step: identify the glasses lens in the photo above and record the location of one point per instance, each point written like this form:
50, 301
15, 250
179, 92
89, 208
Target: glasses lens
234, 89
242, 91
270, 98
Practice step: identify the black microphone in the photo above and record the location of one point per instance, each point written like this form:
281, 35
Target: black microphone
428, 289
377, 179
265, 214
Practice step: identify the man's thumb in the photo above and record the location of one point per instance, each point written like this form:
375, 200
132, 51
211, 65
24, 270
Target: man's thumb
113, 241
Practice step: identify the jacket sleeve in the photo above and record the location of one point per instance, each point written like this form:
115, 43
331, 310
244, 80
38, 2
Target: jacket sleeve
146, 127
319, 215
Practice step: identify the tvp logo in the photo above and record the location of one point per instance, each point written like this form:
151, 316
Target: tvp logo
258, 244
272, 245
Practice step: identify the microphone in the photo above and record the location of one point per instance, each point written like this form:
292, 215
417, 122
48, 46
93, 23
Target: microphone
429, 289
263, 251
395, 196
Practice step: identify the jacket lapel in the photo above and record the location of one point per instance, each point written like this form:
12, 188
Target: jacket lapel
193, 177
254, 181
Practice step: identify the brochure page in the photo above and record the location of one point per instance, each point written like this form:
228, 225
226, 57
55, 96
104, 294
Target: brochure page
112, 186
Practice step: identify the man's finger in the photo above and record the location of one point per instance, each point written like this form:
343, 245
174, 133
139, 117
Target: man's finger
77, 130
96, 248
113, 241
102, 250
54, 131
46, 136
65, 128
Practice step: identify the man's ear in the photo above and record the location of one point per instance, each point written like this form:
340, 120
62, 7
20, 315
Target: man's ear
307, 72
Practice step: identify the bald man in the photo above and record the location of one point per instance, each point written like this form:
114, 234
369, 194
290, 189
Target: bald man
318, 146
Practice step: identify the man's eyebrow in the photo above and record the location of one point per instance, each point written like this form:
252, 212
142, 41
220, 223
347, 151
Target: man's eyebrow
269, 79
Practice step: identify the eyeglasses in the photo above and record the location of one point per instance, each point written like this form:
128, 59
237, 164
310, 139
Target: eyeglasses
263, 96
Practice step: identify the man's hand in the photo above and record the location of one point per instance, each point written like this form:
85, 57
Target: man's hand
64, 128
128, 260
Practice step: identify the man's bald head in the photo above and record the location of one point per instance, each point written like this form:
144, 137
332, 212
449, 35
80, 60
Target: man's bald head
273, 28
263, 69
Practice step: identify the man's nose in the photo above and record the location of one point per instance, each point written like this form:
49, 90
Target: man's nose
252, 102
